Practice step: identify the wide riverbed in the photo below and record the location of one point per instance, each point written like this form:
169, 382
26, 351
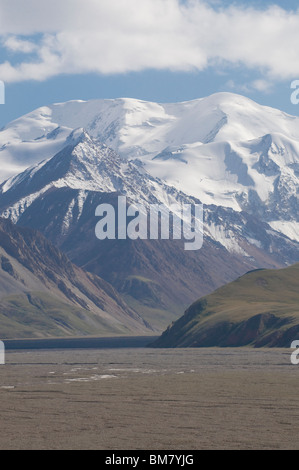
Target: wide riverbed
123, 399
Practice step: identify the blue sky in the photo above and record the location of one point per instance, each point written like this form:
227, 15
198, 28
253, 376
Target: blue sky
159, 50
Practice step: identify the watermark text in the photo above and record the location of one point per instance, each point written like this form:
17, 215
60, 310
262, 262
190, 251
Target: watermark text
136, 221
295, 354
295, 94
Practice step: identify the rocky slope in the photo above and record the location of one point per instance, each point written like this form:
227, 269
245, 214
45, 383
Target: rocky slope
43, 294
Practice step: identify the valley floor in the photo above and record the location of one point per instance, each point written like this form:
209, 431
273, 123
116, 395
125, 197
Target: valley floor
140, 399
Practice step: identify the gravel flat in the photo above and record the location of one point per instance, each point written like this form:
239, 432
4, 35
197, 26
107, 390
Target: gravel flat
145, 399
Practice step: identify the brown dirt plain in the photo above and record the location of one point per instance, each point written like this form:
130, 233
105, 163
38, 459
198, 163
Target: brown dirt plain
144, 399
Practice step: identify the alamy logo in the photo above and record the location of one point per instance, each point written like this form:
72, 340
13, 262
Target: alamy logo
295, 354
2, 354
295, 94
2, 93
155, 222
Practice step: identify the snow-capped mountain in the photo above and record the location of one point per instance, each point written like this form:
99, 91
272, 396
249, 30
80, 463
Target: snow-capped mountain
240, 159
224, 150
59, 197
86, 166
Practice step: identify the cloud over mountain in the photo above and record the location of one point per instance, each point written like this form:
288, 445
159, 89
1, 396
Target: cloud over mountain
77, 37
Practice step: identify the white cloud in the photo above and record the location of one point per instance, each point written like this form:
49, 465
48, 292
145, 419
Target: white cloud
18, 45
117, 36
262, 85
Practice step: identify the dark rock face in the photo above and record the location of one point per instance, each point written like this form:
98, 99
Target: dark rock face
257, 332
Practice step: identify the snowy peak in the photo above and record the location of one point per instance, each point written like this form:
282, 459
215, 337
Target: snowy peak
78, 136
81, 164
139, 129
246, 119
84, 165
224, 150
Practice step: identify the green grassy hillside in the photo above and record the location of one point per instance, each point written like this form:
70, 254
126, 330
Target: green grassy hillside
258, 309
45, 316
